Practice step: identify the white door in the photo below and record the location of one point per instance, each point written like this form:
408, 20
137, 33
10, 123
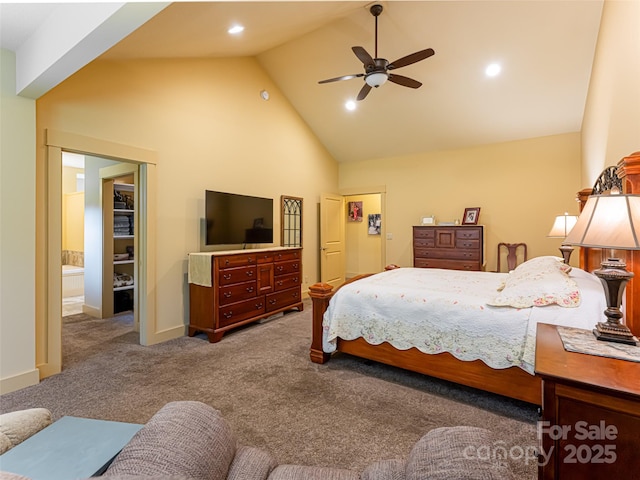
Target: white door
332, 259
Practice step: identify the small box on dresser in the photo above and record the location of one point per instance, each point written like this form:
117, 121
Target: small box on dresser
245, 287
457, 247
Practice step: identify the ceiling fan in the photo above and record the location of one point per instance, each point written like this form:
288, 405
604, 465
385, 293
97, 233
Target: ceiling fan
377, 69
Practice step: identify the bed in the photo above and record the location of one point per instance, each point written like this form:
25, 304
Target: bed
448, 357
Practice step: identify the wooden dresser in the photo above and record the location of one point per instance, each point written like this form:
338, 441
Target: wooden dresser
244, 287
452, 247
590, 413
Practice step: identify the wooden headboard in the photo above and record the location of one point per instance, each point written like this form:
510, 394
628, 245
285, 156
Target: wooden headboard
628, 173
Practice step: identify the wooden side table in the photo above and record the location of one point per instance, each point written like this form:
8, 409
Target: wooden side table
590, 427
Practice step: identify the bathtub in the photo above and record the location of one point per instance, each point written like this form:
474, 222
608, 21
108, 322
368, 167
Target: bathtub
72, 281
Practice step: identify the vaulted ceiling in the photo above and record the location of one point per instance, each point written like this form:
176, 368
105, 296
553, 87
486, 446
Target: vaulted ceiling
545, 49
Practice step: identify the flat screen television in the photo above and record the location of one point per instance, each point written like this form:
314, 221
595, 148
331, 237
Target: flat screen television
233, 219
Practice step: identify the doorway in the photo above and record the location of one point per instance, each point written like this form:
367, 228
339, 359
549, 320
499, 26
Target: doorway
49, 264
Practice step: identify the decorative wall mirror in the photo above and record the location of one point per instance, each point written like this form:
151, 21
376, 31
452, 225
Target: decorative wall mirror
291, 221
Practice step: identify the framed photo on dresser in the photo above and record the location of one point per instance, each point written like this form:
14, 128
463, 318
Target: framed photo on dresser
471, 216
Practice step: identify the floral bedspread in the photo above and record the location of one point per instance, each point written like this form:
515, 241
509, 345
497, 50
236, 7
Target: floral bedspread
435, 311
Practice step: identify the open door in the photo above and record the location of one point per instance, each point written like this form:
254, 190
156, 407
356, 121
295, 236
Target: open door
332, 259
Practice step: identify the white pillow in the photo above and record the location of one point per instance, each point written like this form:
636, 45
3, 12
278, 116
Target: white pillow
538, 282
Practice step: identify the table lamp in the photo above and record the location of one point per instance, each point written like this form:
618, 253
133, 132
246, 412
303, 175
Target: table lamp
610, 221
560, 229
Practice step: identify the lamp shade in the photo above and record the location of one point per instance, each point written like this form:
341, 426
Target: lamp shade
608, 221
562, 225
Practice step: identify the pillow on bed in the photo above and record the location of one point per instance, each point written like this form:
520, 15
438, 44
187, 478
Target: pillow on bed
541, 281
536, 267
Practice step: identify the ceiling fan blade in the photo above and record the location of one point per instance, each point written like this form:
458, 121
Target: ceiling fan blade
344, 77
404, 81
364, 91
413, 58
364, 57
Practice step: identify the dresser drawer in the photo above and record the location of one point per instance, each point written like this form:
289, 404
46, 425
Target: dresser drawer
282, 299
424, 242
472, 244
235, 293
453, 254
266, 257
236, 275
447, 264
282, 268
230, 261
287, 255
236, 312
468, 232
290, 280
422, 233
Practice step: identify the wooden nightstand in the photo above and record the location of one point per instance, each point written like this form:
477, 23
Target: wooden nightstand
590, 427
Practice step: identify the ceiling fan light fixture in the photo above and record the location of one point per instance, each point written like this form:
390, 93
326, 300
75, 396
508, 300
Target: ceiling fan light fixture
376, 79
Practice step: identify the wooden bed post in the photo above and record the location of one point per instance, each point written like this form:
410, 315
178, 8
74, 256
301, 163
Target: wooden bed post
320, 294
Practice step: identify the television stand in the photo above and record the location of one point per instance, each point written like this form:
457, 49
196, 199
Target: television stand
231, 288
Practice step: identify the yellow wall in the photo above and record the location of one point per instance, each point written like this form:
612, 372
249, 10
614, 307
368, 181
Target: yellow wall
363, 250
18, 232
611, 125
210, 131
519, 186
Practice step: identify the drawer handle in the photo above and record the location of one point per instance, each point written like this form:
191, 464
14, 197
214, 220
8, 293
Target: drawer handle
295, 295
250, 260
227, 294
280, 283
295, 279
250, 289
228, 314
295, 266
280, 268
258, 306
249, 273
273, 301
226, 262
227, 276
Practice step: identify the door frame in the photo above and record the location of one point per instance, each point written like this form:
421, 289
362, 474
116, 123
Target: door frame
374, 190
48, 333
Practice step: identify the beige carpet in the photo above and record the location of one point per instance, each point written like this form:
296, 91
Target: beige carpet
348, 412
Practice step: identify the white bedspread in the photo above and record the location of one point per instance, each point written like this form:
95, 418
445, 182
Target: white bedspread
439, 311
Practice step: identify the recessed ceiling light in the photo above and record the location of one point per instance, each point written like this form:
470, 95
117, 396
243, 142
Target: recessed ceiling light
493, 70
235, 29
350, 105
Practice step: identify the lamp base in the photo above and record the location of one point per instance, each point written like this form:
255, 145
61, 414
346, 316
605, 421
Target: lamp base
617, 333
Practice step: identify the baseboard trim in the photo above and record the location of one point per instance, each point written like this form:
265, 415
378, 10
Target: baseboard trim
18, 382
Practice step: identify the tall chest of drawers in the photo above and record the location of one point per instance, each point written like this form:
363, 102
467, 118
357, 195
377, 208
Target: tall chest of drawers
451, 247
245, 287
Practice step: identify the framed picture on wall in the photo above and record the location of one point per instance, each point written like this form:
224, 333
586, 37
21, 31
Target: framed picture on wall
355, 211
471, 216
375, 223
